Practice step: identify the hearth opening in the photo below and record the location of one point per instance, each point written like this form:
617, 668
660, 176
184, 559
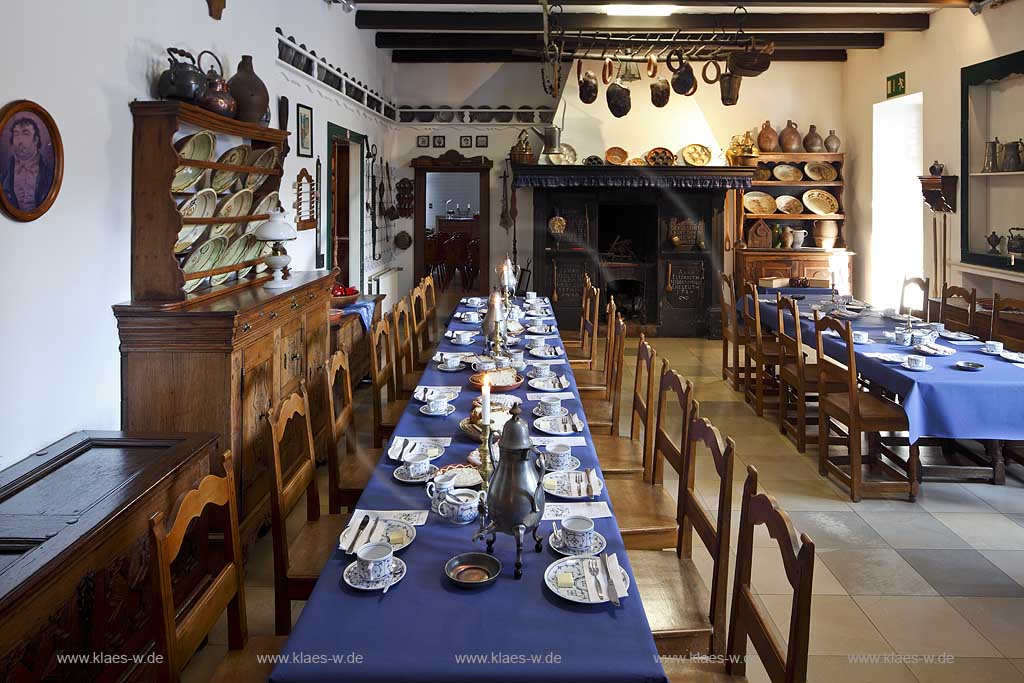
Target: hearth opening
630, 298
627, 232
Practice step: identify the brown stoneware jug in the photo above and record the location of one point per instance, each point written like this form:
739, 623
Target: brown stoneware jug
249, 91
768, 139
789, 138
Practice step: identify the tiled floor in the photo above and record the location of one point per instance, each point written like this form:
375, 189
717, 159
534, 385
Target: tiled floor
941, 579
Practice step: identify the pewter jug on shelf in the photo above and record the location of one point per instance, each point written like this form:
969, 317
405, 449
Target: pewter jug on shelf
182, 80
991, 163
1012, 157
515, 495
552, 136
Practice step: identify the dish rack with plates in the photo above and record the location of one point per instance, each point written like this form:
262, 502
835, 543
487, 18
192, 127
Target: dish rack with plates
162, 186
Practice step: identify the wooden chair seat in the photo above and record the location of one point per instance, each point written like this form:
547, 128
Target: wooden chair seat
646, 514
590, 380
410, 380
619, 456
788, 374
356, 469
599, 415
675, 600
770, 348
309, 551
392, 412
241, 666
876, 413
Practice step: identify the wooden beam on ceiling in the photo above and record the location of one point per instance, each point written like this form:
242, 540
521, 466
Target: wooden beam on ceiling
531, 22
510, 41
870, 5
510, 56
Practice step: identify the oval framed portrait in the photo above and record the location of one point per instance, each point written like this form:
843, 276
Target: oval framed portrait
31, 160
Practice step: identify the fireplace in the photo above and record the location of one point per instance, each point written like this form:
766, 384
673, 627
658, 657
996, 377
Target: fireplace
652, 237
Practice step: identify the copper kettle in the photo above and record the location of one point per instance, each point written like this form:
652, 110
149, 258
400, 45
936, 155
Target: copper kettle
217, 97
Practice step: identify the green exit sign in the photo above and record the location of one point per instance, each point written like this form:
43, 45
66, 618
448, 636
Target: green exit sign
896, 85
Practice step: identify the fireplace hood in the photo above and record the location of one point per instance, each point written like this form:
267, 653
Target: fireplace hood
610, 176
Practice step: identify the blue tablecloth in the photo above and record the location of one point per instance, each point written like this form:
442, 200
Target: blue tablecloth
944, 402
426, 629
789, 291
364, 309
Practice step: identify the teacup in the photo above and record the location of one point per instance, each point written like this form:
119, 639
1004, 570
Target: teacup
451, 362
543, 370
531, 296
889, 312
438, 406
501, 362
462, 336
516, 356
417, 464
993, 346
474, 301
916, 362
485, 365
460, 506
535, 343
557, 456
374, 561
904, 337
861, 337
470, 317
550, 405
938, 327
439, 488
576, 533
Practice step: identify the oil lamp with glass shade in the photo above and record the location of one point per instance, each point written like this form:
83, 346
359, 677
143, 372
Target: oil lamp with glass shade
277, 230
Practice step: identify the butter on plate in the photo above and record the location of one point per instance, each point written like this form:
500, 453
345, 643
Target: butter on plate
396, 536
565, 580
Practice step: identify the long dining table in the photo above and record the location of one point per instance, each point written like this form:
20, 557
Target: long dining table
427, 629
943, 402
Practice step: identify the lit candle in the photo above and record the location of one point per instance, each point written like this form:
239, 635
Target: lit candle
485, 403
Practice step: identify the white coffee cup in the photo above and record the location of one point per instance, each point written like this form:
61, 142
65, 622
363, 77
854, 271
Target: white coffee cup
550, 405
439, 487
501, 362
993, 346
544, 370
938, 327
451, 362
557, 456
463, 336
460, 506
470, 317
438, 406
374, 561
531, 296
861, 337
417, 464
516, 355
484, 365
535, 343
916, 361
904, 338
577, 533
889, 311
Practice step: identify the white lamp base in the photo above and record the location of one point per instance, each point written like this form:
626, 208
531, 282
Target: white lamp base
276, 263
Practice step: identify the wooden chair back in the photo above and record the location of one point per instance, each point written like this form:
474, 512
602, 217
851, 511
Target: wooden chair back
429, 288
178, 641
287, 487
752, 315
585, 304
665, 449
730, 323
418, 309
953, 317
643, 399
401, 339
382, 367
1000, 328
790, 345
591, 324
337, 378
784, 664
830, 371
615, 379
713, 532
923, 285
611, 315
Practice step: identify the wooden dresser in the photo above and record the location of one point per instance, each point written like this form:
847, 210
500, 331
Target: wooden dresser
74, 552
750, 265
222, 365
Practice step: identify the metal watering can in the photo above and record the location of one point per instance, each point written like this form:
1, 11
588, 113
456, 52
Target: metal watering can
552, 136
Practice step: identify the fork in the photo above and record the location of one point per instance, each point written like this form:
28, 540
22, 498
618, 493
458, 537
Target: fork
595, 571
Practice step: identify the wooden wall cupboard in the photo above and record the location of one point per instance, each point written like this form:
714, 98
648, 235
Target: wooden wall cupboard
836, 264
223, 365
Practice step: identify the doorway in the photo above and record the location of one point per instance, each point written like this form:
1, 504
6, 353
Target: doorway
345, 238
897, 224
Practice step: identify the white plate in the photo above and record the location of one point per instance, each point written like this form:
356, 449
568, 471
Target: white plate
461, 366
1012, 356
546, 385
577, 566
532, 374
596, 548
956, 336
431, 449
382, 533
542, 329
424, 409
504, 400
464, 343
540, 352
574, 464
925, 368
402, 475
397, 574
562, 410
435, 393
563, 483
553, 426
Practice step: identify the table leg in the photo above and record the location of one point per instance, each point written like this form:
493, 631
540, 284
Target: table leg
519, 532
539, 540
994, 450
490, 543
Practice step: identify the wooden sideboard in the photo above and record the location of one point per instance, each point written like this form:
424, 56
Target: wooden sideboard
74, 551
222, 365
750, 265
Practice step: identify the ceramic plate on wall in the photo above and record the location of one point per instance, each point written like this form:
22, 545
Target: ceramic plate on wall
269, 204
820, 171
200, 205
264, 158
821, 202
788, 204
255, 248
264, 252
235, 253
445, 114
787, 173
197, 147
696, 155
759, 202
203, 258
223, 180
569, 154
237, 204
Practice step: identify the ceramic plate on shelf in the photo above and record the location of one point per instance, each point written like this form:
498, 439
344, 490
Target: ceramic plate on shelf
573, 587
759, 202
696, 155
202, 204
636, 161
255, 249
482, 114
787, 173
223, 180
821, 202
196, 147
504, 114
445, 114
262, 158
762, 173
616, 156
235, 253
525, 114
568, 154
269, 204
788, 204
237, 204
821, 171
203, 258
264, 252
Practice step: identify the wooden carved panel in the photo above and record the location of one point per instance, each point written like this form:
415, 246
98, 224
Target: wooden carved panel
685, 285
257, 403
292, 357
567, 280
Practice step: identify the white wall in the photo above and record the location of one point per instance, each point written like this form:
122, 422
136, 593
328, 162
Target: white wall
932, 60
84, 62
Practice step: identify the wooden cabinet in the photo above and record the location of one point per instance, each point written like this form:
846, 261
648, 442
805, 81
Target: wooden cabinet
222, 365
835, 265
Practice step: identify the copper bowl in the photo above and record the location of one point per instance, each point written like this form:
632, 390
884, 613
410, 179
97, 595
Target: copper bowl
472, 570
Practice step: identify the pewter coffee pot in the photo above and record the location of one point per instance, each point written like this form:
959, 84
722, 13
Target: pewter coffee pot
515, 495
552, 136
495, 319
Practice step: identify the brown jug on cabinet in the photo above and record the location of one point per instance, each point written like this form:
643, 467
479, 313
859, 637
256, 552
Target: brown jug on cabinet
789, 138
768, 139
813, 141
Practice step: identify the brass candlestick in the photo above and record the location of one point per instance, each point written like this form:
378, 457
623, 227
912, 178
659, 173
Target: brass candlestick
486, 469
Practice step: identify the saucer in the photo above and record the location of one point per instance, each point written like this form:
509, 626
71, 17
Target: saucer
956, 336
562, 410
542, 329
532, 374
969, 366
596, 548
456, 342
442, 368
397, 574
424, 409
574, 464
991, 353
402, 475
924, 368
438, 392
1012, 356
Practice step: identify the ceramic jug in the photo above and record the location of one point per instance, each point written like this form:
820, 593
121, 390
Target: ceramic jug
832, 142
789, 138
768, 139
813, 141
798, 238
787, 237
1012, 156
249, 91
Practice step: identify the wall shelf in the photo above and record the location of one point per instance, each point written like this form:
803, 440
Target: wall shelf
797, 216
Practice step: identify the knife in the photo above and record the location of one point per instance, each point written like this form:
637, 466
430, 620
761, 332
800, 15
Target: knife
355, 537
590, 483
373, 529
612, 593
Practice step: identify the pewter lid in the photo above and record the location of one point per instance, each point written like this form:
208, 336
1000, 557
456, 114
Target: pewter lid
516, 433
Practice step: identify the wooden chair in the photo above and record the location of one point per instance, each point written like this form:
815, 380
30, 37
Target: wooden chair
734, 336
784, 663
575, 337
685, 617
297, 564
762, 351
860, 413
350, 467
422, 348
955, 318
630, 457
646, 512
596, 382
429, 289
585, 356
455, 253
472, 265
434, 259
923, 284
603, 413
406, 373
387, 407
1000, 329
798, 379
177, 641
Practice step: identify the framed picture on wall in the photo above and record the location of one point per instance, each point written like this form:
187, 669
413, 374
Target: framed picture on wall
439, 141
481, 140
423, 141
465, 141
304, 130
31, 160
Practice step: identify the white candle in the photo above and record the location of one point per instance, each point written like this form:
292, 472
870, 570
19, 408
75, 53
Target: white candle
485, 403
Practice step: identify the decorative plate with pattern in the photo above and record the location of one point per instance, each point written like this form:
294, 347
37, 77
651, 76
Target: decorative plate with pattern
235, 253
759, 202
200, 205
262, 158
821, 171
269, 204
788, 204
203, 258
787, 173
196, 147
696, 155
223, 180
577, 567
255, 249
821, 202
237, 204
